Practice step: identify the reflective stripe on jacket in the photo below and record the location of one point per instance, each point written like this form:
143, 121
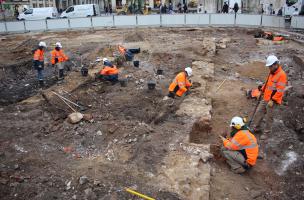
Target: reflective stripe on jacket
244, 140
39, 55
275, 86
59, 55
181, 82
109, 71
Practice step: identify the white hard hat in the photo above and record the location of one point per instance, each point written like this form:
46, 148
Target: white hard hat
104, 59
189, 71
237, 121
271, 60
42, 44
58, 44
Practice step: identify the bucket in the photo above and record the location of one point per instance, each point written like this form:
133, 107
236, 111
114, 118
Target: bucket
123, 82
136, 63
84, 71
159, 72
151, 85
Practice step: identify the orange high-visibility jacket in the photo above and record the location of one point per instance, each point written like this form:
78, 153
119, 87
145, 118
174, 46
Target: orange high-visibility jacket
58, 54
122, 50
244, 140
276, 82
255, 93
39, 55
181, 82
109, 71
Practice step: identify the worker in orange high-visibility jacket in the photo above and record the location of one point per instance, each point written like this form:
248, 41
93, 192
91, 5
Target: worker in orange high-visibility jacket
38, 61
273, 92
240, 148
109, 72
180, 85
57, 59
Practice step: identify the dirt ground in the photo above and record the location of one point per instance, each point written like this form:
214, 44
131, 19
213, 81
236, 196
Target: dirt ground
125, 143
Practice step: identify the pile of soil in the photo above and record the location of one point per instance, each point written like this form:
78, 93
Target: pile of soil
134, 37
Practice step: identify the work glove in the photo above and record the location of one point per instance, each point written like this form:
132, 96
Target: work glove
260, 87
56, 60
187, 92
270, 104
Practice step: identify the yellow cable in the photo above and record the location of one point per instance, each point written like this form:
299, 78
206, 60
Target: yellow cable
138, 194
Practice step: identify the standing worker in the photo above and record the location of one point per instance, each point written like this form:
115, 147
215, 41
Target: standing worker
58, 58
180, 84
273, 92
38, 61
240, 148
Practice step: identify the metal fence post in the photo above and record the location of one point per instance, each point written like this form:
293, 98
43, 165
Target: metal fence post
185, 19
113, 21
136, 20
161, 20
69, 24
209, 19
46, 25
24, 25
5, 25
261, 23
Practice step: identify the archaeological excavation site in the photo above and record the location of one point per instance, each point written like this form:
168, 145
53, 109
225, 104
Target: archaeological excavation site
86, 138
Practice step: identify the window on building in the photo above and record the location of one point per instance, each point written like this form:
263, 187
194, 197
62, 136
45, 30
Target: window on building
118, 4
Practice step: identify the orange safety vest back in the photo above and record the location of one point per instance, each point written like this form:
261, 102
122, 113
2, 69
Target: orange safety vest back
122, 50
59, 55
181, 82
109, 71
275, 86
39, 55
244, 140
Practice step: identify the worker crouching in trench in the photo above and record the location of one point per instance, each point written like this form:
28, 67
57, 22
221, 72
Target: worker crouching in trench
109, 72
181, 85
240, 148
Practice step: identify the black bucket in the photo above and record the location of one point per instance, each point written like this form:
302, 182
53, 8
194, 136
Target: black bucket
136, 63
151, 85
135, 51
123, 82
160, 72
84, 71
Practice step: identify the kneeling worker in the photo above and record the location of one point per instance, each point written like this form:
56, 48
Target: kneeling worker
241, 148
180, 84
109, 71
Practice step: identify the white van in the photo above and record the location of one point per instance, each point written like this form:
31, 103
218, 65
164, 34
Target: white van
85, 10
38, 13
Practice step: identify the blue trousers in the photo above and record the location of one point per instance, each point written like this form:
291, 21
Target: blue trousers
112, 78
40, 74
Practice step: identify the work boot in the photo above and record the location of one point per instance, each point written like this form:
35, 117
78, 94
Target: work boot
41, 83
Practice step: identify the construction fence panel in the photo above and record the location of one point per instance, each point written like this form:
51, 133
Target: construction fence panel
148, 20
2, 28
37, 25
15, 26
297, 22
80, 22
222, 19
273, 21
248, 20
197, 19
175, 19
54, 24
103, 21
125, 20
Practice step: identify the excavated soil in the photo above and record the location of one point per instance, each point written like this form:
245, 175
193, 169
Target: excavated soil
131, 131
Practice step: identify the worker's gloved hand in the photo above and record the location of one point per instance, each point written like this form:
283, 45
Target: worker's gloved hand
270, 104
260, 87
56, 60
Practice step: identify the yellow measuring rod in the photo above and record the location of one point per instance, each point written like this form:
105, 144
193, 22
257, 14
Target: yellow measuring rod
138, 194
